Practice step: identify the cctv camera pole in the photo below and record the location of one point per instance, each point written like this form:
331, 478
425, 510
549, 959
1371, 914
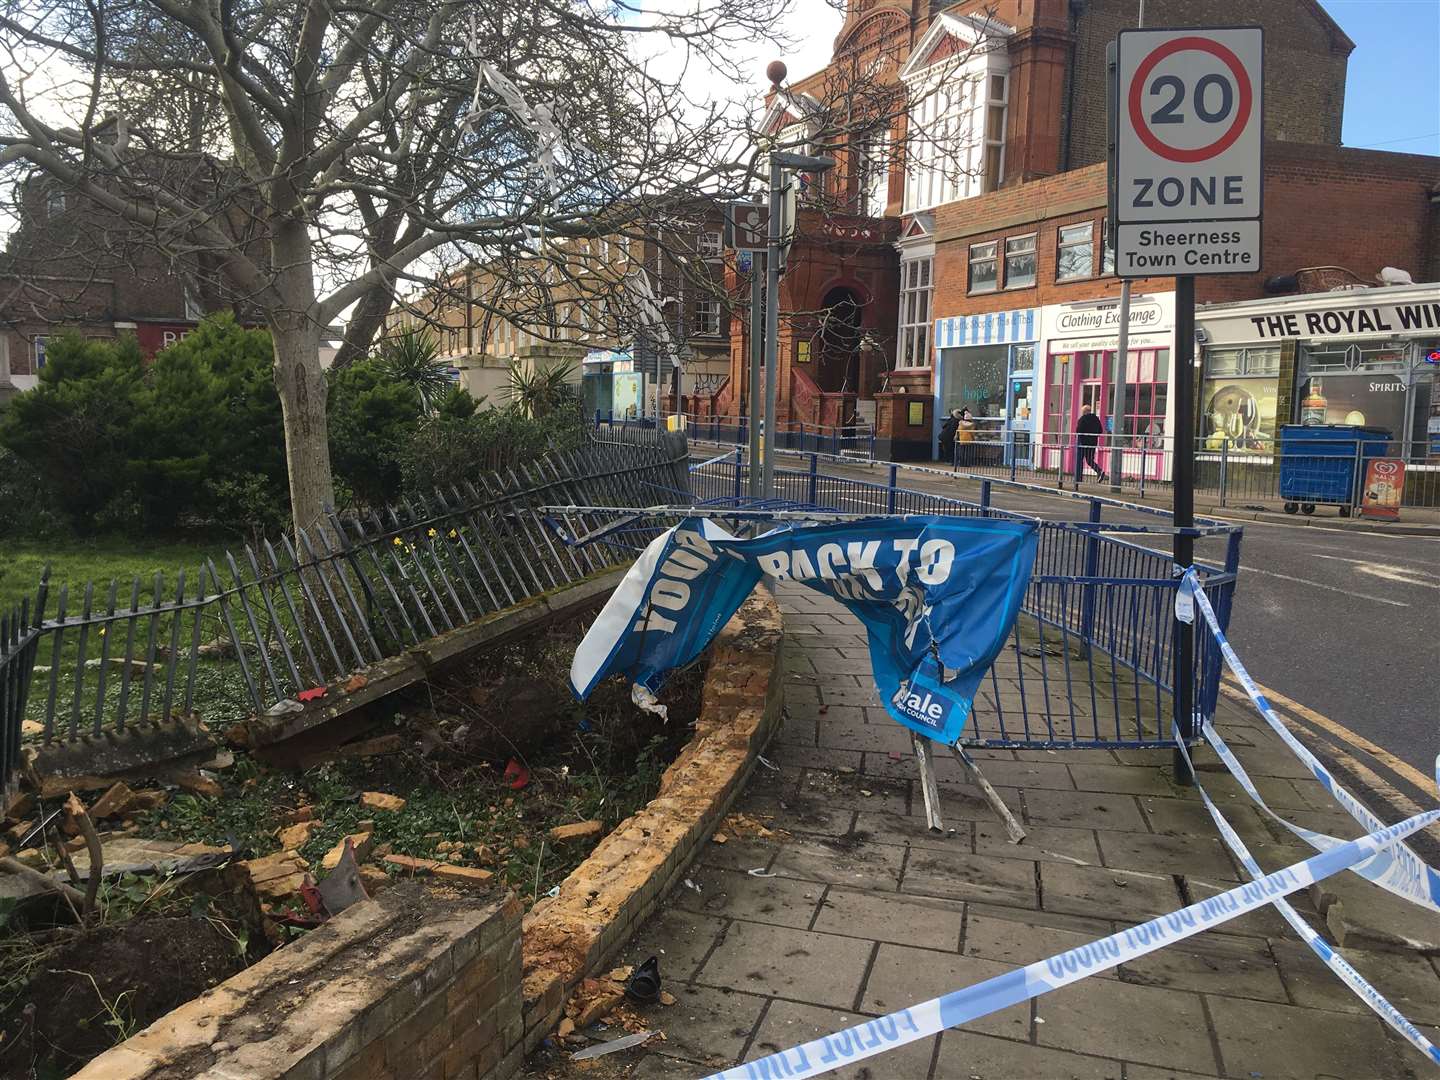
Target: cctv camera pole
772, 321
779, 162
757, 353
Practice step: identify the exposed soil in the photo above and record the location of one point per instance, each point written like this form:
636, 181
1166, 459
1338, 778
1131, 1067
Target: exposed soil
487, 760
106, 984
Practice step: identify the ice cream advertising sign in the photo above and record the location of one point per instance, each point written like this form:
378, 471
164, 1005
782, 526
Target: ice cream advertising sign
1384, 485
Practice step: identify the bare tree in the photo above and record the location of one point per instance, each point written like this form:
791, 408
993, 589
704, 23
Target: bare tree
305, 157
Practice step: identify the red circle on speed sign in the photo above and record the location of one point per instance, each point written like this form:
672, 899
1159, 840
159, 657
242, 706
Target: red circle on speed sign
1242, 114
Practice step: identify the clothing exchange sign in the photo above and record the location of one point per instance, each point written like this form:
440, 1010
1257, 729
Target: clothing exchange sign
1325, 321
1095, 327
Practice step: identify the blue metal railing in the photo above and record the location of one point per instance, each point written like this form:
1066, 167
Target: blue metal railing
1090, 662
853, 441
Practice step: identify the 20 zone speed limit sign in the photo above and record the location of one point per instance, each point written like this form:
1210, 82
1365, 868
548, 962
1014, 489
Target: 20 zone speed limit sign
1187, 168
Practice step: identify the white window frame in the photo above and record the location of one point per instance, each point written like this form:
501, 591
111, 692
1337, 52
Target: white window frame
917, 291
712, 244
947, 141
1062, 245
994, 105
707, 318
873, 174
1107, 249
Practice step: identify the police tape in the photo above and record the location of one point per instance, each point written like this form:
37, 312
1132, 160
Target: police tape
729, 455
959, 1007
1401, 872
1342, 968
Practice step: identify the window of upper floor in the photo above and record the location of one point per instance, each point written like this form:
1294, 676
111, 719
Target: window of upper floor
957, 84
1075, 251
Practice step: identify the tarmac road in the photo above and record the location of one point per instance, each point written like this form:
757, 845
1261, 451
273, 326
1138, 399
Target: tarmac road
1345, 621
1348, 623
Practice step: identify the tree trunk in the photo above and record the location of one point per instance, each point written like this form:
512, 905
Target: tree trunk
302, 401
298, 377
365, 322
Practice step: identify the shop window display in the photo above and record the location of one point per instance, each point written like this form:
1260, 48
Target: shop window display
1239, 397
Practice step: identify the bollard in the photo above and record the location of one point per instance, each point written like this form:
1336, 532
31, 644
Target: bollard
1224, 463
984, 498
890, 493
814, 478
1092, 569
739, 459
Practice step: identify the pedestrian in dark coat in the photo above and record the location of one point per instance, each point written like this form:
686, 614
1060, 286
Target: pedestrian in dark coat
1087, 437
947, 436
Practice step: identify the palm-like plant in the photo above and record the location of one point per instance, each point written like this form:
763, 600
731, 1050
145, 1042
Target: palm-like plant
413, 357
538, 393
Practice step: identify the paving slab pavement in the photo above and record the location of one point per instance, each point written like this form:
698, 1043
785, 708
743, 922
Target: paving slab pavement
867, 911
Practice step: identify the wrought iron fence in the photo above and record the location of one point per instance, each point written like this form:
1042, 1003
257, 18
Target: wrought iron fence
1091, 660
855, 440
245, 633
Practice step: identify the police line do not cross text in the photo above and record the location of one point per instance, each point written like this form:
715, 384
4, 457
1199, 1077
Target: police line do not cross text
1187, 168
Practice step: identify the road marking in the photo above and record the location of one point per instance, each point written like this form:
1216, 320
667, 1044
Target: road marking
1386, 571
1340, 731
1352, 531
1319, 585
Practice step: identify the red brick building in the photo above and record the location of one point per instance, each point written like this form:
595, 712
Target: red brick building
72, 266
970, 269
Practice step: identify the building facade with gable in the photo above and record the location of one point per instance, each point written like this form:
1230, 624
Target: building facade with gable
957, 253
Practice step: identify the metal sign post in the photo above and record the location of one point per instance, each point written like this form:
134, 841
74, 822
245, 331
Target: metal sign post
1186, 176
780, 237
747, 227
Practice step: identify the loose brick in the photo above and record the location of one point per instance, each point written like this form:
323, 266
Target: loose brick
583, 830
466, 875
378, 800
410, 864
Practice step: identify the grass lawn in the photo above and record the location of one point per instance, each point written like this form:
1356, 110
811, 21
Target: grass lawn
75, 562
219, 693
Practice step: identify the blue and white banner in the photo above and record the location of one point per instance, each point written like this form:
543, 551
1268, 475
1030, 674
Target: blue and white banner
937, 596
991, 328
668, 607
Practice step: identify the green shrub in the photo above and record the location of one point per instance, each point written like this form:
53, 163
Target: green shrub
74, 430
210, 422
116, 444
446, 449
456, 404
372, 420
27, 508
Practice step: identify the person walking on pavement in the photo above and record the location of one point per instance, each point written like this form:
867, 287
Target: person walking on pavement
1087, 437
964, 438
947, 436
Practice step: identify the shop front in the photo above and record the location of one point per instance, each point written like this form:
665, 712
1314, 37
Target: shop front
1080, 347
610, 385
1359, 357
986, 364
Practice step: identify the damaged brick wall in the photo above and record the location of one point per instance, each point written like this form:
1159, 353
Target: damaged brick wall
605, 898
414, 985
